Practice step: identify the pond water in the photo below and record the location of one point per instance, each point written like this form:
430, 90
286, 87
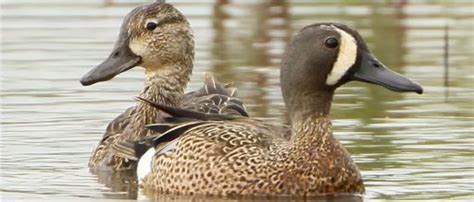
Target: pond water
407, 146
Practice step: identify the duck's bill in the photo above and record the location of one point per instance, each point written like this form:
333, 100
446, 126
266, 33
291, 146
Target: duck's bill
121, 60
373, 71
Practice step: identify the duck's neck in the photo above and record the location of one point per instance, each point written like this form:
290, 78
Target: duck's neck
303, 105
161, 86
164, 87
312, 134
312, 128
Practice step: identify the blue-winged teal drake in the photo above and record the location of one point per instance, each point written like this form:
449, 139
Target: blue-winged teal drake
228, 155
157, 37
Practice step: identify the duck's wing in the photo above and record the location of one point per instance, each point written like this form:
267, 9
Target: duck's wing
114, 129
119, 123
188, 114
180, 121
214, 98
184, 120
233, 148
222, 133
165, 134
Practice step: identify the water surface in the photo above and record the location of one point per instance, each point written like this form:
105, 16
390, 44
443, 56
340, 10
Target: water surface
406, 145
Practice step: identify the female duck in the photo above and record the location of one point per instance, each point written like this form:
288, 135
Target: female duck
244, 157
157, 37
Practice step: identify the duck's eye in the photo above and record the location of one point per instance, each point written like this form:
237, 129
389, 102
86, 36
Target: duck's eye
331, 42
151, 26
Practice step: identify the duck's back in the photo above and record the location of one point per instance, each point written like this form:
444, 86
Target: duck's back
114, 130
218, 158
212, 98
248, 157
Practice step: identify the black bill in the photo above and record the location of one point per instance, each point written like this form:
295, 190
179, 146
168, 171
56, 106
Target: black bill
121, 59
373, 71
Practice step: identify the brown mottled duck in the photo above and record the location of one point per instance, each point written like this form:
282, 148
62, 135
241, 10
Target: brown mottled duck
157, 37
235, 156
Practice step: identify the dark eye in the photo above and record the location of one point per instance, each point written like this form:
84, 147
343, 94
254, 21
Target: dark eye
151, 26
331, 42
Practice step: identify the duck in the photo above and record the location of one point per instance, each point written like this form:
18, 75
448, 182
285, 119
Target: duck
157, 37
227, 155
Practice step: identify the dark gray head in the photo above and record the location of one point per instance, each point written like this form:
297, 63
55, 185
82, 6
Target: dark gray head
154, 36
324, 56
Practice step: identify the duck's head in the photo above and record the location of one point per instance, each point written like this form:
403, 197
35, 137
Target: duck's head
155, 36
324, 56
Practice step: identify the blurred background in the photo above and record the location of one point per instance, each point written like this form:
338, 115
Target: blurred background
407, 146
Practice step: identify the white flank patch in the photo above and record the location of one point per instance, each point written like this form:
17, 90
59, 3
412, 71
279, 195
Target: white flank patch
345, 59
144, 164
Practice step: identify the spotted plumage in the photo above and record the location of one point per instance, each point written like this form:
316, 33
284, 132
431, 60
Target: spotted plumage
246, 157
157, 37
229, 155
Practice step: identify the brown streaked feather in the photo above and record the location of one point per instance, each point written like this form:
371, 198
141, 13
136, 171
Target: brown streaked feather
215, 106
246, 157
119, 123
166, 133
113, 130
178, 112
172, 44
161, 127
212, 97
172, 133
166, 147
126, 149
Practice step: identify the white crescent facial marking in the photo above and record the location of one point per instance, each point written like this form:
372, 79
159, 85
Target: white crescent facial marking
144, 164
345, 59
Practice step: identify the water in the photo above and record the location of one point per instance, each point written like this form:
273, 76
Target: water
407, 146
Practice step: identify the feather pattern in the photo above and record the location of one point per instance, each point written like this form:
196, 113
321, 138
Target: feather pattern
214, 98
245, 156
167, 54
241, 156
120, 148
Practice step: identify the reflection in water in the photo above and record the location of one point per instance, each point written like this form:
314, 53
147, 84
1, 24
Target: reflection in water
383, 26
123, 182
407, 146
446, 60
251, 43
